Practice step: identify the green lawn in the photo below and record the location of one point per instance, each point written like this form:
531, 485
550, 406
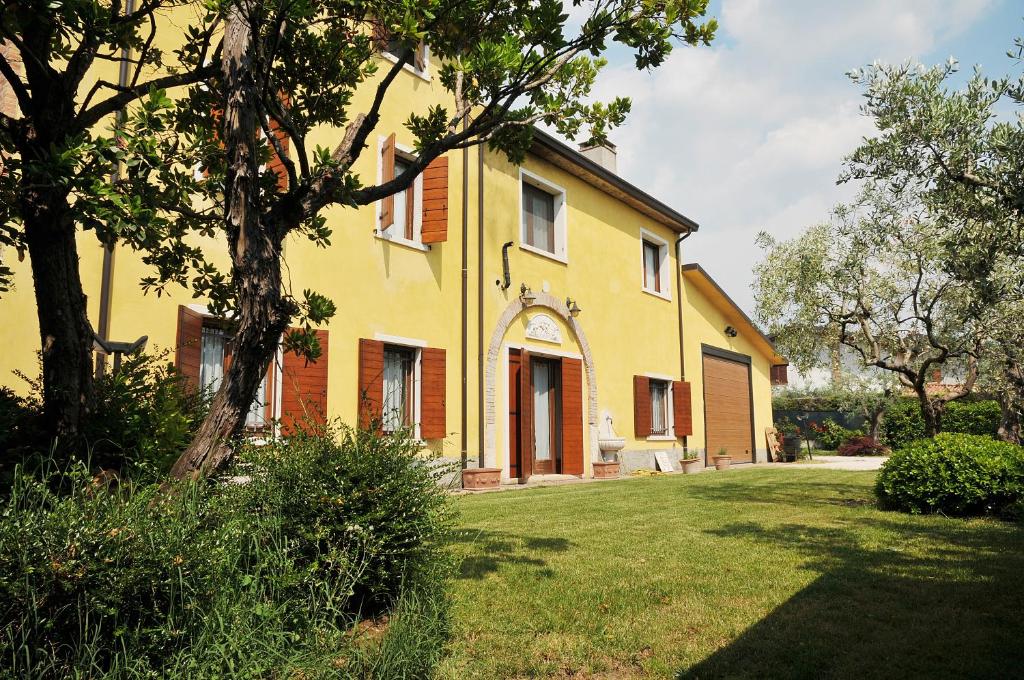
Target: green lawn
757, 573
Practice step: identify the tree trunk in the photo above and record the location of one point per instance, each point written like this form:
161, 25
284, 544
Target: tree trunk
875, 423
1011, 429
66, 336
931, 413
261, 315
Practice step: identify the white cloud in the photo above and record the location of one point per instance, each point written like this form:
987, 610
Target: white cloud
750, 133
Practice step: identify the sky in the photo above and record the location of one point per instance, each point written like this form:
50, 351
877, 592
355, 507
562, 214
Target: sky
750, 133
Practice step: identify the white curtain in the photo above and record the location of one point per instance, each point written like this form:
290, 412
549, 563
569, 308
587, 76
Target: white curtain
659, 425
394, 392
542, 411
257, 416
211, 370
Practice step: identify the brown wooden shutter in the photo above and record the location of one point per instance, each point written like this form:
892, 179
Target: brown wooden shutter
641, 406
371, 381
514, 400
432, 393
682, 408
525, 418
276, 163
435, 201
189, 345
387, 204
780, 375
304, 390
572, 416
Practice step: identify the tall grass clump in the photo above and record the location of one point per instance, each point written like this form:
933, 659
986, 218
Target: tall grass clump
262, 572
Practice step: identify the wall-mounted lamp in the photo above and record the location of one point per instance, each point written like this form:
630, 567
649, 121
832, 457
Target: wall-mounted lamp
731, 332
526, 295
574, 309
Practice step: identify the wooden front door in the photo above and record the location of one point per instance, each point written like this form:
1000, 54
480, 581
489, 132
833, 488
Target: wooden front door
545, 379
727, 409
535, 412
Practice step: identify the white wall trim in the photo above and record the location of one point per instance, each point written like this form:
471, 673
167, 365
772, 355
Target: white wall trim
400, 340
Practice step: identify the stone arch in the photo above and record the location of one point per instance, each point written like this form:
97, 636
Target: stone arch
514, 309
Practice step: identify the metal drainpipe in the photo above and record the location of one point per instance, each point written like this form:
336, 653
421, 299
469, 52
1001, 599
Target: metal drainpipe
480, 304
679, 308
465, 301
107, 275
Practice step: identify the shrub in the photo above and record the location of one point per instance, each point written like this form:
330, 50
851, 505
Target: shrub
902, 423
955, 474
256, 577
863, 446
831, 435
972, 417
353, 482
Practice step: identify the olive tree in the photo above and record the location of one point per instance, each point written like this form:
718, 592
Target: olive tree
874, 278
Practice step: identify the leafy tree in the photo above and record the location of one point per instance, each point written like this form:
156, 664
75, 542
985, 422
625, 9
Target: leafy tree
58, 160
875, 278
288, 67
961, 150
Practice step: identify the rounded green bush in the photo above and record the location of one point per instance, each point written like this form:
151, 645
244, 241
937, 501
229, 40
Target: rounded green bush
954, 474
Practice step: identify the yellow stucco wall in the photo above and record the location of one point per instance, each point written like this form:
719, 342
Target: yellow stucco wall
388, 289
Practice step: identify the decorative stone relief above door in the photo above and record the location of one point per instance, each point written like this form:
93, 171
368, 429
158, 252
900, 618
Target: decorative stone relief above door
543, 327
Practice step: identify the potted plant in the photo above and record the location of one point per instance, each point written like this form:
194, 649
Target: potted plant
722, 460
791, 439
690, 463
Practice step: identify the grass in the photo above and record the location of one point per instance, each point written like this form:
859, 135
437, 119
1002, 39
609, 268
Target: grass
758, 573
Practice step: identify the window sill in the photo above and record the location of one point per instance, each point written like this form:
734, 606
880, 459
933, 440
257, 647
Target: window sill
401, 241
422, 75
663, 296
661, 438
544, 253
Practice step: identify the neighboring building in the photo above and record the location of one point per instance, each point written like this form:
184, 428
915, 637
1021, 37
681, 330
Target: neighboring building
510, 315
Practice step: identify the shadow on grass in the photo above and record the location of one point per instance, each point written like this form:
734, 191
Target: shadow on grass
494, 549
937, 601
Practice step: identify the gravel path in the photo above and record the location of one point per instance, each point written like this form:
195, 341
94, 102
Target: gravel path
843, 463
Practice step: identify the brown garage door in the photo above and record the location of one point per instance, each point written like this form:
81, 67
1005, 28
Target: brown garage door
727, 416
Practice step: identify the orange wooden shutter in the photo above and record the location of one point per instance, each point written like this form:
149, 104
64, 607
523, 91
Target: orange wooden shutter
432, 393
387, 204
371, 381
641, 406
682, 408
276, 163
189, 345
525, 418
572, 416
304, 390
514, 400
435, 201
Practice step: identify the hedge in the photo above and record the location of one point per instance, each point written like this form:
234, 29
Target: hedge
903, 423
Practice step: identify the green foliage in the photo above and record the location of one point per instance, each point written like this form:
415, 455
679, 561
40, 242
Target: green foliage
903, 422
954, 474
254, 576
831, 435
355, 483
143, 416
862, 446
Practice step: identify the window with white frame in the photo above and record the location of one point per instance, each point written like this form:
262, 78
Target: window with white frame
404, 223
418, 59
213, 353
400, 393
405, 202
654, 264
660, 421
543, 216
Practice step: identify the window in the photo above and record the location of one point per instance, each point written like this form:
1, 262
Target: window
400, 215
659, 408
539, 218
399, 408
543, 217
654, 265
404, 202
417, 61
213, 355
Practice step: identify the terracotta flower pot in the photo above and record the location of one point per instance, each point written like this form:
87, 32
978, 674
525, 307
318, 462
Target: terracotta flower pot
606, 470
722, 462
690, 465
481, 478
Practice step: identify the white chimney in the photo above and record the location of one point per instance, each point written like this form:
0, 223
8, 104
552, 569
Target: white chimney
601, 153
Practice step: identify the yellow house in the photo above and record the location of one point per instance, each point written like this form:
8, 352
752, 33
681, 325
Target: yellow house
530, 319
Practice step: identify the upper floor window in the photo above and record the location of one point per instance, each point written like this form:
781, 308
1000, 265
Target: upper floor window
659, 408
400, 214
543, 216
418, 60
654, 264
